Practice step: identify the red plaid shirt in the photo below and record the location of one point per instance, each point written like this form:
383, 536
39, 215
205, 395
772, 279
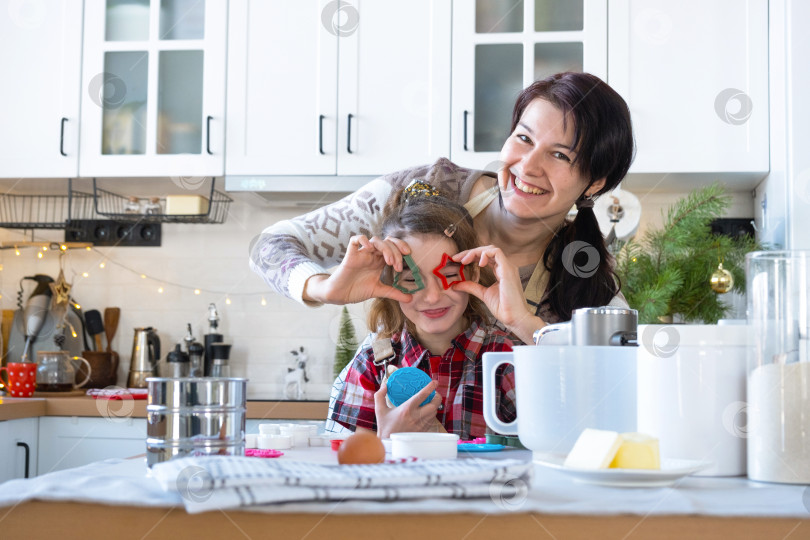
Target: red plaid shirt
459, 375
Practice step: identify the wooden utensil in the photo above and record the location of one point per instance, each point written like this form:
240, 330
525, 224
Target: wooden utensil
95, 326
111, 317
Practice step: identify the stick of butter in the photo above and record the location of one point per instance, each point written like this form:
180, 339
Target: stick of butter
185, 205
594, 449
637, 451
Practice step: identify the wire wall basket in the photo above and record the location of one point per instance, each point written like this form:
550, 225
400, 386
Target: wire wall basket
112, 205
44, 211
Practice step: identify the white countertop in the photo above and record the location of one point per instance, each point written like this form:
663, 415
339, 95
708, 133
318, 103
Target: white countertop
125, 482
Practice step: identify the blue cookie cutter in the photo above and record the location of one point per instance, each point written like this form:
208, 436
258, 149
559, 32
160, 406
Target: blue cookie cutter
405, 382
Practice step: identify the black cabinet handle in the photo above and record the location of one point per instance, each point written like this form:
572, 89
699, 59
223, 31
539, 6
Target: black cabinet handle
62, 142
320, 134
208, 135
349, 135
466, 114
27, 456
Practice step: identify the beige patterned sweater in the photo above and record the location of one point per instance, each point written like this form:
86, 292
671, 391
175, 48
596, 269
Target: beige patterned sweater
291, 251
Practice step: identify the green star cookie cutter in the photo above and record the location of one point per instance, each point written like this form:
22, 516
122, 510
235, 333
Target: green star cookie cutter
417, 277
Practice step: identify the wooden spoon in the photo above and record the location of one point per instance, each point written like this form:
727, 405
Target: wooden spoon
111, 317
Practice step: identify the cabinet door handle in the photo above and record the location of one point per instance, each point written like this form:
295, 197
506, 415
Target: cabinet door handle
349, 135
466, 114
27, 456
320, 134
62, 142
208, 135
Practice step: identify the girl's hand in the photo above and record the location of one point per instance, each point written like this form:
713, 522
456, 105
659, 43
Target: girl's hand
409, 416
357, 278
504, 298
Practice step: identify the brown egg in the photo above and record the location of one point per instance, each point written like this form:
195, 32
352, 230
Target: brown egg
360, 449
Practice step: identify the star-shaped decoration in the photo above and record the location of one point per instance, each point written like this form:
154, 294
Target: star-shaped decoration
447, 260
60, 289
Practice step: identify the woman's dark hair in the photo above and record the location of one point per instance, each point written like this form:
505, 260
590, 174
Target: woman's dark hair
424, 214
603, 142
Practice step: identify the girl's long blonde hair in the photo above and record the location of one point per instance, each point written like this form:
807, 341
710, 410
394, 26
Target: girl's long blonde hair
428, 213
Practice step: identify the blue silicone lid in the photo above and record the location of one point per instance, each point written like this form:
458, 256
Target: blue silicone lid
405, 382
480, 447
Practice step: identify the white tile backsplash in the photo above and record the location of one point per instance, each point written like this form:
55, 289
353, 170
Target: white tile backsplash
210, 257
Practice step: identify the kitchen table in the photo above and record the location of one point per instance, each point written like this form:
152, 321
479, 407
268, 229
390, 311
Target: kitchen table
116, 499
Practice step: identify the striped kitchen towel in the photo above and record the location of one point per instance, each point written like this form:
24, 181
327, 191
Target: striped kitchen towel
222, 482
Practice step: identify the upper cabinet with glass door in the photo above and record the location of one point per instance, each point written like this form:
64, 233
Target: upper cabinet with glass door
502, 46
153, 88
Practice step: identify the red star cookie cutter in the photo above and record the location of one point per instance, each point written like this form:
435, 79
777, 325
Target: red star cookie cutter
447, 259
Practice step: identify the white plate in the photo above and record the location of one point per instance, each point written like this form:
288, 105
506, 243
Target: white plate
671, 471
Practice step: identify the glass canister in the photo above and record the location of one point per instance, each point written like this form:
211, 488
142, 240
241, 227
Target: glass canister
778, 291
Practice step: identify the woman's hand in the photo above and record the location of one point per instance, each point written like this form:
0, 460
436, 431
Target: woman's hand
357, 278
504, 298
409, 416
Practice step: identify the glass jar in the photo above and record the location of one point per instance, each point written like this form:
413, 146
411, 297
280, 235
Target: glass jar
132, 206
152, 208
778, 294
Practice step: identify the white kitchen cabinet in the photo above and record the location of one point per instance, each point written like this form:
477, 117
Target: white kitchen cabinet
153, 82
394, 88
695, 76
319, 87
39, 99
66, 442
502, 46
282, 89
18, 448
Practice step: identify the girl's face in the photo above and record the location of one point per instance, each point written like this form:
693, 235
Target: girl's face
433, 310
537, 180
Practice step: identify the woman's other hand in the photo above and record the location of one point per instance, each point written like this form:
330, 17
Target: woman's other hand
409, 416
504, 298
357, 278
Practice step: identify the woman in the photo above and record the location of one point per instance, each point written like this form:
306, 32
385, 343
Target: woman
571, 140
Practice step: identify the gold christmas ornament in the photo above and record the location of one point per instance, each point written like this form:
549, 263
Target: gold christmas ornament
60, 289
722, 281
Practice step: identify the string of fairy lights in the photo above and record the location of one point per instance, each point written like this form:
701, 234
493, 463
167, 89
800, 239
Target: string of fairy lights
43, 248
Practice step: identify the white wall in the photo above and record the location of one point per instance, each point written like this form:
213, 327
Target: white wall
784, 196
214, 258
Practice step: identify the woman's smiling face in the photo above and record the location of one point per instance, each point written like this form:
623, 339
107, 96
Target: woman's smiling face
537, 178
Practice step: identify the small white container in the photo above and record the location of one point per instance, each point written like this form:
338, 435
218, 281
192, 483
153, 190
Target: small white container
275, 442
424, 445
387, 445
299, 434
269, 429
251, 440
318, 440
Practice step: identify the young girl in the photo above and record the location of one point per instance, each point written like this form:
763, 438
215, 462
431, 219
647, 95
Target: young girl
442, 331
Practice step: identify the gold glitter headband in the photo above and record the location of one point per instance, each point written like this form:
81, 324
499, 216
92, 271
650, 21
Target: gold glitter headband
419, 188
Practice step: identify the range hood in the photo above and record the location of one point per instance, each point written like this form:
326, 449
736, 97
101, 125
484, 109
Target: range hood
296, 190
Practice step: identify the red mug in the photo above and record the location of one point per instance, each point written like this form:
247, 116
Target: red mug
22, 378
